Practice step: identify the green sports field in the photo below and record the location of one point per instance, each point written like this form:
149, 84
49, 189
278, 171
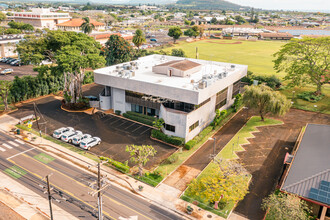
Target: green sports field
257, 55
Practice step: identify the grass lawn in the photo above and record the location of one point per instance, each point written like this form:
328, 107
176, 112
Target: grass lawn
322, 106
228, 152
258, 55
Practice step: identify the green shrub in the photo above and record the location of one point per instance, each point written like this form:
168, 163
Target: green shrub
138, 119
310, 96
177, 141
120, 166
171, 159
151, 118
151, 178
117, 112
271, 81
190, 144
237, 103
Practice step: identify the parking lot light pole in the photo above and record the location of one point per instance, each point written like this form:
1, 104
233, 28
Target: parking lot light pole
214, 139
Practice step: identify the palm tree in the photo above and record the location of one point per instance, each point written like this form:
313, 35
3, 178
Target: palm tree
138, 38
87, 27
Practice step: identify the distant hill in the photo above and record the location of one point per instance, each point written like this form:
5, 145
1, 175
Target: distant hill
208, 4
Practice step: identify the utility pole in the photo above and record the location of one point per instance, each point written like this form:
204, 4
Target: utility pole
99, 197
35, 115
49, 198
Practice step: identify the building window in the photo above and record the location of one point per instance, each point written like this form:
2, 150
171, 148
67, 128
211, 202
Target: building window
193, 126
169, 127
203, 103
222, 103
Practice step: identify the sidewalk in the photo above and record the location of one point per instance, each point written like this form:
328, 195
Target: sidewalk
25, 203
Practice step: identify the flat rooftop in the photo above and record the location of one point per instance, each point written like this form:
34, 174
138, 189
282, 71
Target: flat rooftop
144, 72
311, 164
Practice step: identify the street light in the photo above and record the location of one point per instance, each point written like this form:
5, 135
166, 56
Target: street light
214, 139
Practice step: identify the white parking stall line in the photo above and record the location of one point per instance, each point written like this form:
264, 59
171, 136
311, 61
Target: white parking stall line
112, 122
12, 143
2, 149
123, 123
130, 125
7, 146
19, 141
145, 131
137, 128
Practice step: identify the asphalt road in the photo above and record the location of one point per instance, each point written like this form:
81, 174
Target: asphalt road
70, 185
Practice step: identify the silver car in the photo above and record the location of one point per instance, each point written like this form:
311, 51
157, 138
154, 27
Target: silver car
68, 136
88, 143
78, 138
59, 132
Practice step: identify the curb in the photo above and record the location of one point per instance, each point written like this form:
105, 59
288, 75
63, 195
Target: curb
155, 139
72, 111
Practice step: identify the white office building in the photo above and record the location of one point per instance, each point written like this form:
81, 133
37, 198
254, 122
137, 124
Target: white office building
184, 92
41, 18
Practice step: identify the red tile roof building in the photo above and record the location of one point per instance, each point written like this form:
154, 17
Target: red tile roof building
75, 24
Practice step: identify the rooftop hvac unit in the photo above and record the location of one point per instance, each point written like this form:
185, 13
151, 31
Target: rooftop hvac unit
118, 67
220, 76
215, 72
225, 74
232, 67
202, 85
132, 73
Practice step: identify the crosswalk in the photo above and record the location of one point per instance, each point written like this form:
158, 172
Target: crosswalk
8, 145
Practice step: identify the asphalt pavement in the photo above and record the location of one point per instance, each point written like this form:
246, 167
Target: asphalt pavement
71, 186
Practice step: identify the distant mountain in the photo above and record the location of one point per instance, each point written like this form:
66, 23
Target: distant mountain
156, 2
208, 4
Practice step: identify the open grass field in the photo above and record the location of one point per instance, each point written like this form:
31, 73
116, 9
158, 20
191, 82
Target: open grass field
258, 55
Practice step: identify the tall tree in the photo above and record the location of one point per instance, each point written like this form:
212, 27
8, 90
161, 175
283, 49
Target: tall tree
140, 155
139, 38
201, 30
228, 182
285, 206
2, 16
87, 27
117, 50
4, 92
70, 52
265, 100
175, 33
305, 61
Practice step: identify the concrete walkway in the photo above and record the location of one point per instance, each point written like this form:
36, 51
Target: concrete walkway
26, 203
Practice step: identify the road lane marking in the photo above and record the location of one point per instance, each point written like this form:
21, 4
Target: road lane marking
7, 146
8, 158
114, 201
12, 143
63, 190
19, 141
2, 149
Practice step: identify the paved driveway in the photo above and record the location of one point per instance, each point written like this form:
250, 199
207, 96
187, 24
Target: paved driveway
116, 133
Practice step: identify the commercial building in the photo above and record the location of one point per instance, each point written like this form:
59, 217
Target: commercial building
308, 171
40, 18
75, 25
184, 92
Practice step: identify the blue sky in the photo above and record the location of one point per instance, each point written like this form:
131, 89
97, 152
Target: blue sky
310, 5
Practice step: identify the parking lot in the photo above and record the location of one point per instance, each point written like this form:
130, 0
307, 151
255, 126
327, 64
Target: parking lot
116, 133
26, 70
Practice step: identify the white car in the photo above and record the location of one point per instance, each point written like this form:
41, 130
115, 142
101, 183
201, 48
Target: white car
88, 143
68, 136
78, 138
59, 132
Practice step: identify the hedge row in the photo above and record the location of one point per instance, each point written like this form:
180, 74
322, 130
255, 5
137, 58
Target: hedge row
151, 118
120, 166
177, 141
138, 119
